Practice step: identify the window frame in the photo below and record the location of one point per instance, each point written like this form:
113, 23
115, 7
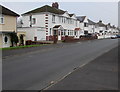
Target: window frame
1, 19
33, 21
53, 18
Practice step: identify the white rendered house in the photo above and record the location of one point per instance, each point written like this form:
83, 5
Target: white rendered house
91, 26
83, 25
44, 22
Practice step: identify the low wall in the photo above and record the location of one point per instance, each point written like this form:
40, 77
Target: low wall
72, 39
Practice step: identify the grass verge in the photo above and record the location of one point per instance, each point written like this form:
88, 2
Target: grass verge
19, 47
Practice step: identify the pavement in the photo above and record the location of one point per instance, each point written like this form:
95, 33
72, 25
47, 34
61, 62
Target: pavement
21, 51
99, 74
37, 69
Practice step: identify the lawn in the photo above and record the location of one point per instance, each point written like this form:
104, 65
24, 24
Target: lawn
19, 47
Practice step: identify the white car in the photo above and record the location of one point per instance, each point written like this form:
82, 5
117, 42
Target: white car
113, 37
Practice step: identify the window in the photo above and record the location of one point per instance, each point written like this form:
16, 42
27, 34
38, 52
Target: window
50, 31
6, 39
71, 32
75, 33
68, 32
62, 19
1, 19
53, 18
33, 20
85, 32
62, 32
85, 25
55, 32
76, 23
101, 31
30, 17
59, 19
59, 32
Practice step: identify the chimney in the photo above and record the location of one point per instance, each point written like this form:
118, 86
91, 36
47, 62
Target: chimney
100, 21
109, 24
55, 5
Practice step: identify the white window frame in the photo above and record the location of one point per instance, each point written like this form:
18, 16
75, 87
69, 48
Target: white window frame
53, 18
33, 21
1, 19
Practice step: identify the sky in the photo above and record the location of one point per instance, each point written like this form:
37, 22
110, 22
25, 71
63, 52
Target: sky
105, 11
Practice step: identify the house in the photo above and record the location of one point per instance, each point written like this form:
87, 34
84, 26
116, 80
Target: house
110, 29
100, 29
114, 30
91, 26
83, 24
45, 22
8, 25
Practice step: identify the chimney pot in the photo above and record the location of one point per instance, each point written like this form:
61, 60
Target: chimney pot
55, 5
100, 21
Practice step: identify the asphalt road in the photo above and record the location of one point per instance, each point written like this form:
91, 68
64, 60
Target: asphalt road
36, 70
100, 74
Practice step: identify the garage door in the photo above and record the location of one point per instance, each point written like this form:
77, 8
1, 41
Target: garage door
41, 34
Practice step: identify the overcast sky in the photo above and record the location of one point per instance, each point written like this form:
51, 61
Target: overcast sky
106, 11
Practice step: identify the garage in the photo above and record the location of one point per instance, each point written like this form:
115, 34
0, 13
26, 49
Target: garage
40, 34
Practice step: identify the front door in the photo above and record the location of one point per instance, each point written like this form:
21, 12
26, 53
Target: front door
59, 34
55, 36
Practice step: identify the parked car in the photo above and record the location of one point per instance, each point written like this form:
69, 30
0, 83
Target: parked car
113, 37
89, 35
86, 35
118, 36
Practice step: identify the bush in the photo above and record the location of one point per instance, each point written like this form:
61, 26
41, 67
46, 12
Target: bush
14, 38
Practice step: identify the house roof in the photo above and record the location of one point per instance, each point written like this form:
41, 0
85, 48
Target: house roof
81, 18
90, 22
46, 8
7, 11
112, 27
56, 26
77, 29
5, 32
100, 24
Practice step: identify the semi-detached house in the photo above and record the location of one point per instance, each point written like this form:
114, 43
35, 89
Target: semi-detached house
8, 24
44, 22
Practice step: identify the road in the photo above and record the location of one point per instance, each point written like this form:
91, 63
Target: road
36, 70
99, 74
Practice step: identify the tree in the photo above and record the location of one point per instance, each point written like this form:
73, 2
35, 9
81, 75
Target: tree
14, 38
21, 40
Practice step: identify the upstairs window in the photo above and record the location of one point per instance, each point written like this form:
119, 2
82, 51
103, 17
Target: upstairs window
53, 18
1, 19
85, 25
33, 20
76, 23
101, 31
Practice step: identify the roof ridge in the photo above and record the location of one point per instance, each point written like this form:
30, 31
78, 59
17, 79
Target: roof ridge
46, 8
7, 11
